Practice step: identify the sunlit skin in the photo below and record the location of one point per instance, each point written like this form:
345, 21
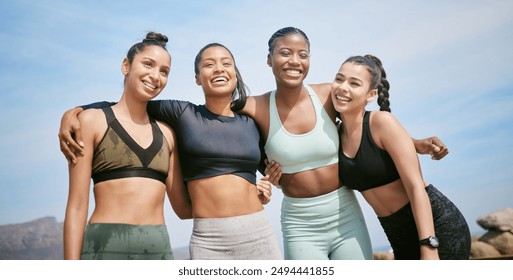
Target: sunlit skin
225, 195
351, 92
137, 201
215, 197
290, 63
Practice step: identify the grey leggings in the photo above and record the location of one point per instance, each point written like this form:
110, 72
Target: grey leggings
451, 229
246, 237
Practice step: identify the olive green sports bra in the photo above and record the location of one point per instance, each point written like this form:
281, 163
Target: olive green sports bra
119, 156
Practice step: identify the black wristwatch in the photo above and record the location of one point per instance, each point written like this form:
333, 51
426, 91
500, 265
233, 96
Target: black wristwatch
431, 241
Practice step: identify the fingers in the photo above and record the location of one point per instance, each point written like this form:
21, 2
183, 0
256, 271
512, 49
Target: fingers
443, 151
273, 170
439, 150
435, 148
68, 132
264, 190
66, 149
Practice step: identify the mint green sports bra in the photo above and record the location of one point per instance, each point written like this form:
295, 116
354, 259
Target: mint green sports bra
301, 152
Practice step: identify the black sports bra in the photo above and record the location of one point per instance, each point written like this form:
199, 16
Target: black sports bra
371, 167
119, 156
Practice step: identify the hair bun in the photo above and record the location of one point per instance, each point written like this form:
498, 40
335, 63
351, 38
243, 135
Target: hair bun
154, 36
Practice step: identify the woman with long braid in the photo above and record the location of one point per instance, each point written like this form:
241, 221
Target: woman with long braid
378, 158
320, 218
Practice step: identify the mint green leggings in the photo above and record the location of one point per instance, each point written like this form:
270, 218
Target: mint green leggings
329, 226
106, 241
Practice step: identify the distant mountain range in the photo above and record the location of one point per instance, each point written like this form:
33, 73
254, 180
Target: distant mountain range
41, 239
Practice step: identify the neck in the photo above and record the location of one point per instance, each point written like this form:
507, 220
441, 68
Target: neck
135, 110
290, 95
352, 121
219, 105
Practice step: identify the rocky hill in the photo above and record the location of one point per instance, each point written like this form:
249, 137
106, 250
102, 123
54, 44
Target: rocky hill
36, 240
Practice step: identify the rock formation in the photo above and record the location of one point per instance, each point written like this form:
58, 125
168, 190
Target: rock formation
36, 240
497, 242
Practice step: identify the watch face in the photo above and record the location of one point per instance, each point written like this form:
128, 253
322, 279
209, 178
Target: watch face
433, 241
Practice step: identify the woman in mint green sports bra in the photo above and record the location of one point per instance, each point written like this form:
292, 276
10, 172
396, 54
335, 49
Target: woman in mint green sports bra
320, 219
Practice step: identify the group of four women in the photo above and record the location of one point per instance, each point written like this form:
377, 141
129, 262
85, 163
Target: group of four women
206, 158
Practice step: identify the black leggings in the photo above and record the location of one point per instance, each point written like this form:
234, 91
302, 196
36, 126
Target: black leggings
451, 229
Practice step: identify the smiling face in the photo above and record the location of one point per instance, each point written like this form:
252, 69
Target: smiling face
148, 73
216, 71
290, 60
350, 91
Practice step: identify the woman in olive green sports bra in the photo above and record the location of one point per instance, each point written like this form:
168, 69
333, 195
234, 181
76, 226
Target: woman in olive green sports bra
133, 162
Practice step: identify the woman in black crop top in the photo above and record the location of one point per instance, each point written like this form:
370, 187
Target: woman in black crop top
377, 158
133, 161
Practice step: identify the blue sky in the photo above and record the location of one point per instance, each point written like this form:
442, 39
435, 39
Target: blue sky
450, 65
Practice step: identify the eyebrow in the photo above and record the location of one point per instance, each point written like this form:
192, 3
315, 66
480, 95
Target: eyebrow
153, 60
213, 59
350, 78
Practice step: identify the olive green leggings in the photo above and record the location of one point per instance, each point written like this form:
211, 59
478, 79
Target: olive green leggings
105, 241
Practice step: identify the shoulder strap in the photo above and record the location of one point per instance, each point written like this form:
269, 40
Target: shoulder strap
366, 117
109, 114
274, 117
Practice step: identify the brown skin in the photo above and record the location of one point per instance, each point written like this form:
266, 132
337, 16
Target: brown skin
351, 92
294, 105
215, 197
290, 63
138, 201
226, 195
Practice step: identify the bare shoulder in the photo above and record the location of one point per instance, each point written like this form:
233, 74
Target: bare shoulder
385, 125
260, 98
256, 103
382, 117
93, 125
92, 118
323, 90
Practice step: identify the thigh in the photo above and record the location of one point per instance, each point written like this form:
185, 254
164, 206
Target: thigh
450, 226
352, 241
305, 250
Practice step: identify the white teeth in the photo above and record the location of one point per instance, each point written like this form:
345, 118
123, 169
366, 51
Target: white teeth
220, 79
150, 85
345, 99
293, 71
